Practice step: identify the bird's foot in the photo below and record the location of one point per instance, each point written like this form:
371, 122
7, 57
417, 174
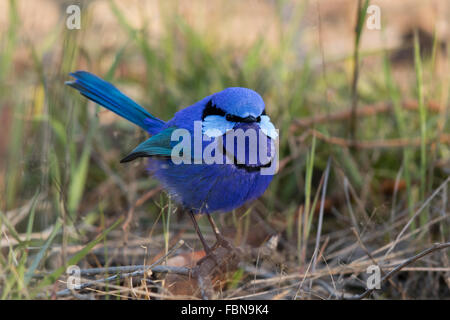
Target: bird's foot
222, 260
221, 242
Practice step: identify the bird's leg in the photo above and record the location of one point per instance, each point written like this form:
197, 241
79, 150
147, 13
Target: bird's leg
199, 233
208, 251
220, 239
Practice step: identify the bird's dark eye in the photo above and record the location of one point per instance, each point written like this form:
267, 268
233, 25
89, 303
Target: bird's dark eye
263, 113
211, 109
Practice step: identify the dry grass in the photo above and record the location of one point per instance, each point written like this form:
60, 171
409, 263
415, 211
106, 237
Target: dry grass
340, 202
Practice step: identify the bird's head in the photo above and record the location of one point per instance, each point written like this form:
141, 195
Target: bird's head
234, 106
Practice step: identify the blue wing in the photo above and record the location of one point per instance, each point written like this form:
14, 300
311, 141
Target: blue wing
160, 145
110, 97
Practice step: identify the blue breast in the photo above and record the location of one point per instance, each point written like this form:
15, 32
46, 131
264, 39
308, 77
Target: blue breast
215, 187
209, 188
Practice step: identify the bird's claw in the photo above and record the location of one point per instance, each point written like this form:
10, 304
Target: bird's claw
222, 242
210, 254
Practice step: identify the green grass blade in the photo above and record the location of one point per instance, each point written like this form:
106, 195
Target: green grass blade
42, 252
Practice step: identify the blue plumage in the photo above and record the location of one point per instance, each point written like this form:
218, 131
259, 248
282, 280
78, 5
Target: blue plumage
204, 188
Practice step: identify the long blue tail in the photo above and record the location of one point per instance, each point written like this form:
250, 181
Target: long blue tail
108, 96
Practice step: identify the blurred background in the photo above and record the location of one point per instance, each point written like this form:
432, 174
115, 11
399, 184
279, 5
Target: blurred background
373, 102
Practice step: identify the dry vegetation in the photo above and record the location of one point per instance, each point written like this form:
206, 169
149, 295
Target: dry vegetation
364, 149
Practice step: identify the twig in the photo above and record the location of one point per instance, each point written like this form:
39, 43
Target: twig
371, 257
259, 272
120, 276
364, 111
375, 144
135, 291
138, 272
423, 206
128, 269
332, 291
435, 247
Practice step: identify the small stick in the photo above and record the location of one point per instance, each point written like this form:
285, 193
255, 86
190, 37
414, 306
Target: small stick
365, 111
371, 257
138, 272
422, 207
120, 276
128, 269
374, 144
435, 247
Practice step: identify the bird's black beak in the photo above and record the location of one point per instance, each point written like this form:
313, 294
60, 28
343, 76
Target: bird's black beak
249, 119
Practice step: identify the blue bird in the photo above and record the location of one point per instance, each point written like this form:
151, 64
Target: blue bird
198, 187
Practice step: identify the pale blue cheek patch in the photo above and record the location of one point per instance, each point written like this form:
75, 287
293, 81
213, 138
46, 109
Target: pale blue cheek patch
268, 128
215, 126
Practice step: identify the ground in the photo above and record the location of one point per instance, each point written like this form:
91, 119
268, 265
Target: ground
364, 149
